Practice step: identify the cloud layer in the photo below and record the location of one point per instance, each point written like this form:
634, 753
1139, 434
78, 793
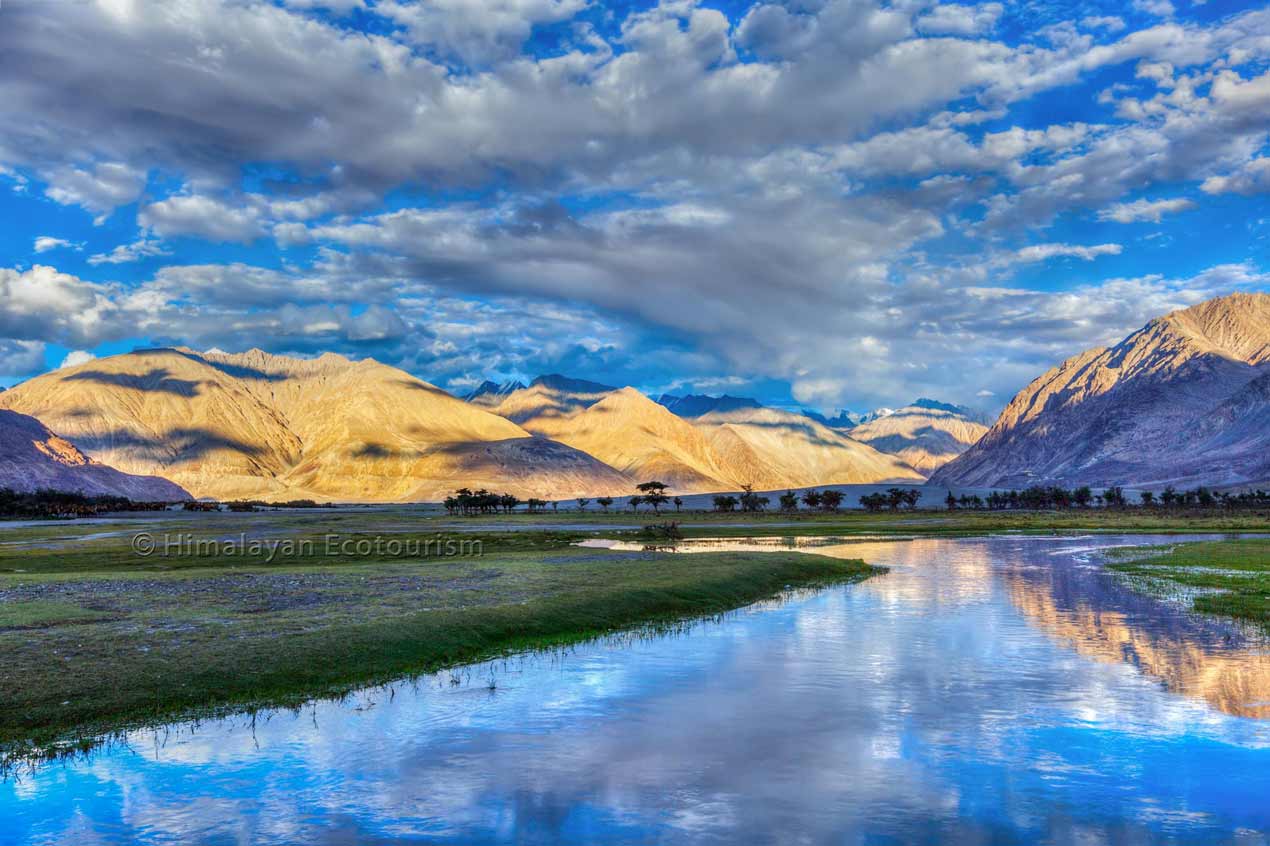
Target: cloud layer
847, 202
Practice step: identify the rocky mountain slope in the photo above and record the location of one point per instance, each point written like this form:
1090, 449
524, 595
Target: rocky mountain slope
255, 425
695, 405
925, 435
546, 397
771, 449
1185, 400
32, 458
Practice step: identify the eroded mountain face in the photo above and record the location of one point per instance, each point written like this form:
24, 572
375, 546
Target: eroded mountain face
1185, 400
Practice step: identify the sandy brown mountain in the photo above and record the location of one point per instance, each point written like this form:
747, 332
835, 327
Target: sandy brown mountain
1185, 400
772, 449
257, 425
925, 435
763, 447
32, 458
633, 434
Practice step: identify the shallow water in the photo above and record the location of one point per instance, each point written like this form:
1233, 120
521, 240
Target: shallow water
985, 690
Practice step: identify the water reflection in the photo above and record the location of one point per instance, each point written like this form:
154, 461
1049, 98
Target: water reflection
984, 690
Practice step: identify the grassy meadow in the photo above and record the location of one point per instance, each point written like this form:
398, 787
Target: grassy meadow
95, 637
1230, 578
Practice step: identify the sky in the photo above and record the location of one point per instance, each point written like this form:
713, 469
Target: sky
819, 203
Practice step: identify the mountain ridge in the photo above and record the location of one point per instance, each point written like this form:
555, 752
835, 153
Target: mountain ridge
1176, 402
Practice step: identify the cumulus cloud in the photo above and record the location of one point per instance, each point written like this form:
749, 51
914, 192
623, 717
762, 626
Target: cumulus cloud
100, 188
202, 217
1252, 178
952, 19
20, 358
125, 253
1139, 210
44, 243
74, 358
851, 176
1045, 252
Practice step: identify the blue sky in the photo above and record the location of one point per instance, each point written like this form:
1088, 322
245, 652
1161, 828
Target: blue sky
837, 203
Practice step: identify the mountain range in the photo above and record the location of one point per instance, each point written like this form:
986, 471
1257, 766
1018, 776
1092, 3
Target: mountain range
1185, 400
261, 426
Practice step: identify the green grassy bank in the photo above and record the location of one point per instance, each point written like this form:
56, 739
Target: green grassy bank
94, 638
1230, 578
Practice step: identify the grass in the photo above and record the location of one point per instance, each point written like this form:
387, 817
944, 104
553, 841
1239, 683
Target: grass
1230, 578
923, 522
95, 639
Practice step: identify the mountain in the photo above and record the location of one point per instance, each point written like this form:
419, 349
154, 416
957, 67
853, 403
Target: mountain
925, 435
32, 458
548, 397
640, 438
770, 449
1182, 401
255, 425
842, 420
491, 393
695, 405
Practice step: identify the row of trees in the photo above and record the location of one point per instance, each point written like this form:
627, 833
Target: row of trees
893, 499
1044, 498
50, 504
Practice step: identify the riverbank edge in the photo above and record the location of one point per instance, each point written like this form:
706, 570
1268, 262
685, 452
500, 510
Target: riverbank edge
378, 653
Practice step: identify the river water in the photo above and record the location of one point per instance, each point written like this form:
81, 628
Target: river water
985, 690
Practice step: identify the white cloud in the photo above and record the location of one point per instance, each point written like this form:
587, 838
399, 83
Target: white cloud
1251, 178
202, 217
21, 358
100, 188
952, 19
44, 243
74, 358
125, 253
1138, 210
1044, 252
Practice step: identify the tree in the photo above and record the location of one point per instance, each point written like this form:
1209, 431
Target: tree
679, 503
634, 502
789, 501
583, 502
874, 501
895, 498
751, 501
951, 501
812, 498
1114, 497
725, 503
1148, 498
1083, 495
604, 502
508, 502
535, 505
912, 496
831, 500
654, 493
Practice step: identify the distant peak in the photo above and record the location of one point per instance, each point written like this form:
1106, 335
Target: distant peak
697, 405
557, 382
936, 405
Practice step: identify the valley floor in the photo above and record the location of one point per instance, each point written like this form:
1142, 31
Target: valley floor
235, 611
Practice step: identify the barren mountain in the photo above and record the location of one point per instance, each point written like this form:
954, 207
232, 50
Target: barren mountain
255, 425
695, 405
763, 447
925, 435
770, 448
640, 438
32, 458
1185, 400
547, 397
